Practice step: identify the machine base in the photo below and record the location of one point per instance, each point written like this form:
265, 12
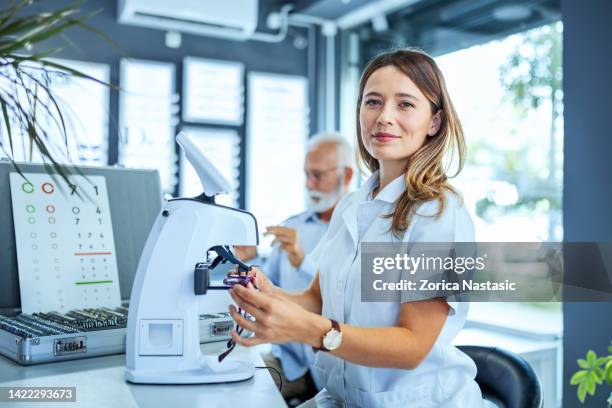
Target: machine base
230, 371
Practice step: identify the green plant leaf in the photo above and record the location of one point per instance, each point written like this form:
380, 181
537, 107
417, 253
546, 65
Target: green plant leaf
31, 25
590, 385
34, 137
101, 34
598, 375
591, 357
7, 123
583, 363
9, 13
38, 36
22, 116
45, 54
56, 115
582, 390
609, 372
36, 25
578, 377
75, 72
42, 27
27, 122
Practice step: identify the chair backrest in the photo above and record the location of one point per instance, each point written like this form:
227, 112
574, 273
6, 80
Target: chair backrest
505, 377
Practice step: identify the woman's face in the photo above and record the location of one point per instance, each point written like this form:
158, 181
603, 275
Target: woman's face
395, 117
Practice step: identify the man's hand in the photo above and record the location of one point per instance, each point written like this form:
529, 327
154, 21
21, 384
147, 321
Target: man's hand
289, 242
245, 252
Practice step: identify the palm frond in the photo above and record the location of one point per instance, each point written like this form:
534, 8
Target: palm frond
27, 101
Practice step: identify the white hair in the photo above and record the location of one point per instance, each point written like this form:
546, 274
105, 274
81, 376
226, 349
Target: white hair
344, 149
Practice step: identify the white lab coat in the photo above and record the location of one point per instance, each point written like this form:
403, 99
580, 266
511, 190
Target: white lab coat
445, 378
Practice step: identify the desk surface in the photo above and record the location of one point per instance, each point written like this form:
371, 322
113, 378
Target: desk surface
100, 382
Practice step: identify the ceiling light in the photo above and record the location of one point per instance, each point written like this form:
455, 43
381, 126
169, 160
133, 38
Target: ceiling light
512, 12
380, 23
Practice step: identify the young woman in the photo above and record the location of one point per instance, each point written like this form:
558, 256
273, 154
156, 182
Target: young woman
382, 354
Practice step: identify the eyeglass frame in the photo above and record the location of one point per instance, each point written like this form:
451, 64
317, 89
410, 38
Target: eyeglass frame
318, 177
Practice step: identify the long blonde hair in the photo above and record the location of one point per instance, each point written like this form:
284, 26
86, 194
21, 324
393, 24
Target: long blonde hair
425, 174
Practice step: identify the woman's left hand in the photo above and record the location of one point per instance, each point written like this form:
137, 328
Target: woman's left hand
278, 320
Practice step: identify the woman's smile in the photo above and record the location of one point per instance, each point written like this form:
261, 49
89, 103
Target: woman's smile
382, 137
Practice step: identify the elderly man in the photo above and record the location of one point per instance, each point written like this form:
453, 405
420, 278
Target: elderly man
329, 170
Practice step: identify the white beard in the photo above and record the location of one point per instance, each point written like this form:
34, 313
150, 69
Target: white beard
321, 202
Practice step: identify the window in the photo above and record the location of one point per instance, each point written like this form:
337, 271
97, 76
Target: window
222, 148
510, 105
148, 108
84, 105
277, 130
213, 91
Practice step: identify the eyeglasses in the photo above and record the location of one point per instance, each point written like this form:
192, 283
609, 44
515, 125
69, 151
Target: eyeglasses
317, 175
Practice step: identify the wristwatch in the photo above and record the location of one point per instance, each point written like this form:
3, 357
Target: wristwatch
332, 339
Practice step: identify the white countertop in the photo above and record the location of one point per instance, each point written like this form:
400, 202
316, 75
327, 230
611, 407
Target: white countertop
100, 382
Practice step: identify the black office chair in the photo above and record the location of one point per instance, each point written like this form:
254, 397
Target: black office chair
505, 378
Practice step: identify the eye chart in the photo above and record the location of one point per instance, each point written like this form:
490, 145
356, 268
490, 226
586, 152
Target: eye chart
65, 245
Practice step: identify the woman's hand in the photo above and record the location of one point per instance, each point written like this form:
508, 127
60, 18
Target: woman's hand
260, 279
278, 320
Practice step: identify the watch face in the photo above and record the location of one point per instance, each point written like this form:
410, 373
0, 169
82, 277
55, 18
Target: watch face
332, 340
